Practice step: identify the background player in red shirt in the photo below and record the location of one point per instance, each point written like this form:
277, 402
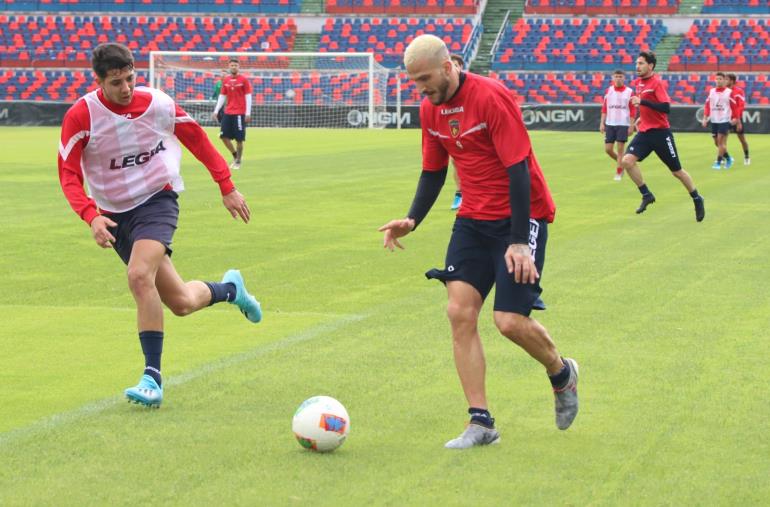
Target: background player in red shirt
500, 233
125, 143
236, 94
740, 101
654, 104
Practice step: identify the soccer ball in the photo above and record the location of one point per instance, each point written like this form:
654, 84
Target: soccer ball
290, 94
321, 424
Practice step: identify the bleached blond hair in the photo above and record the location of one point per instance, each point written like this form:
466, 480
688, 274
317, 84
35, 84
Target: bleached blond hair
426, 47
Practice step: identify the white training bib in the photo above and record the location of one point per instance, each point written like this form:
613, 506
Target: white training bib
128, 160
618, 110
721, 112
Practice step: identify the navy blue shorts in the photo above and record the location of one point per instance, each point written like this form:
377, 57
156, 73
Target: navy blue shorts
233, 126
734, 129
720, 128
155, 219
661, 141
476, 255
615, 134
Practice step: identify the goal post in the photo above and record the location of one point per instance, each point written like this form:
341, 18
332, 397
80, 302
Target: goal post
311, 90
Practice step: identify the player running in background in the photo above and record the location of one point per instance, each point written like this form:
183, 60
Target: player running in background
458, 198
124, 141
720, 111
654, 104
500, 233
617, 121
739, 95
236, 91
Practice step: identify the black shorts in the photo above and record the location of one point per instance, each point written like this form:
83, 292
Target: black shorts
220, 114
233, 126
615, 134
720, 128
661, 141
155, 219
476, 255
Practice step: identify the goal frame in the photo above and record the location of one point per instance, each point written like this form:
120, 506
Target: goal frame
369, 56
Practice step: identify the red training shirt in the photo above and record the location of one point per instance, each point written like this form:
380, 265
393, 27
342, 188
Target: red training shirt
75, 130
235, 88
740, 100
651, 89
481, 128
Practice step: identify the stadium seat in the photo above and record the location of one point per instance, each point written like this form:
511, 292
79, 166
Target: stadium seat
400, 7
599, 7
724, 44
48, 41
574, 43
238, 7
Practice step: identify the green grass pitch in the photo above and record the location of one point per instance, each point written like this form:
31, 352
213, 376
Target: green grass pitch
668, 318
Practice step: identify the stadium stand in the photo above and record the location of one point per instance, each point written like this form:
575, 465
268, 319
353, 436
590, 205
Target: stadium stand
575, 43
724, 44
736, 7
155, 6
596, 7
388, 37
400, 7
54, 40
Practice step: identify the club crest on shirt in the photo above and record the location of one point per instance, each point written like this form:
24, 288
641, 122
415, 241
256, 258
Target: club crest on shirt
454, 127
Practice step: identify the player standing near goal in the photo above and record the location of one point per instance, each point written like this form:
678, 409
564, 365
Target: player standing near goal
236, 91
215, 97
124, 141
720, 110
500, 233
617, 121
740, 102
655, 134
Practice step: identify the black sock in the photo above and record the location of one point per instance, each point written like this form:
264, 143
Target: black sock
458, 193
745, 153
152, 348
235, 154
481, 417
719, 159
694, 194
644, 190
221, 292
560, 379
727, 155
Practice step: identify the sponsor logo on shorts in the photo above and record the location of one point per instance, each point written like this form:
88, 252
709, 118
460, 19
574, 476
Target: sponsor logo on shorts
670, 146
534, 231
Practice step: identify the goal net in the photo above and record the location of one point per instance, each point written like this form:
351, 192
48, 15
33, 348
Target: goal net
312, 90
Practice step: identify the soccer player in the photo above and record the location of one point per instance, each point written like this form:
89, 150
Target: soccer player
654, 134
236, 90
124, 141
215, 97
500, 233
617, 119
740, 101
720, 111
458, 198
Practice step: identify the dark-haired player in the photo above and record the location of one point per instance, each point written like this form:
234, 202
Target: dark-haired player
655, 134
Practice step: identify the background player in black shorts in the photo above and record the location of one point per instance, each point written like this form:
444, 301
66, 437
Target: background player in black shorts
655, 134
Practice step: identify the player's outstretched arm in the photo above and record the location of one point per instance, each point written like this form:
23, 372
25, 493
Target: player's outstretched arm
236, 205
428, 189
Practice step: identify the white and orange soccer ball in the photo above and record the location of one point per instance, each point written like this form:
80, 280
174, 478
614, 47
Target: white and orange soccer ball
321, 424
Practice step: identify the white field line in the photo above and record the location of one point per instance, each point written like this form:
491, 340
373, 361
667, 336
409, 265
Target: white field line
51, 423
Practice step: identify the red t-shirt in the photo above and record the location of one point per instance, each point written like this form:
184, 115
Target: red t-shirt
653, 90
740, 100
235, 88
481, 128
75, 131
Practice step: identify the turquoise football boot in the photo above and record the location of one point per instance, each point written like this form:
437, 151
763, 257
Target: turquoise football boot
147, 392
247, 303
729, 162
